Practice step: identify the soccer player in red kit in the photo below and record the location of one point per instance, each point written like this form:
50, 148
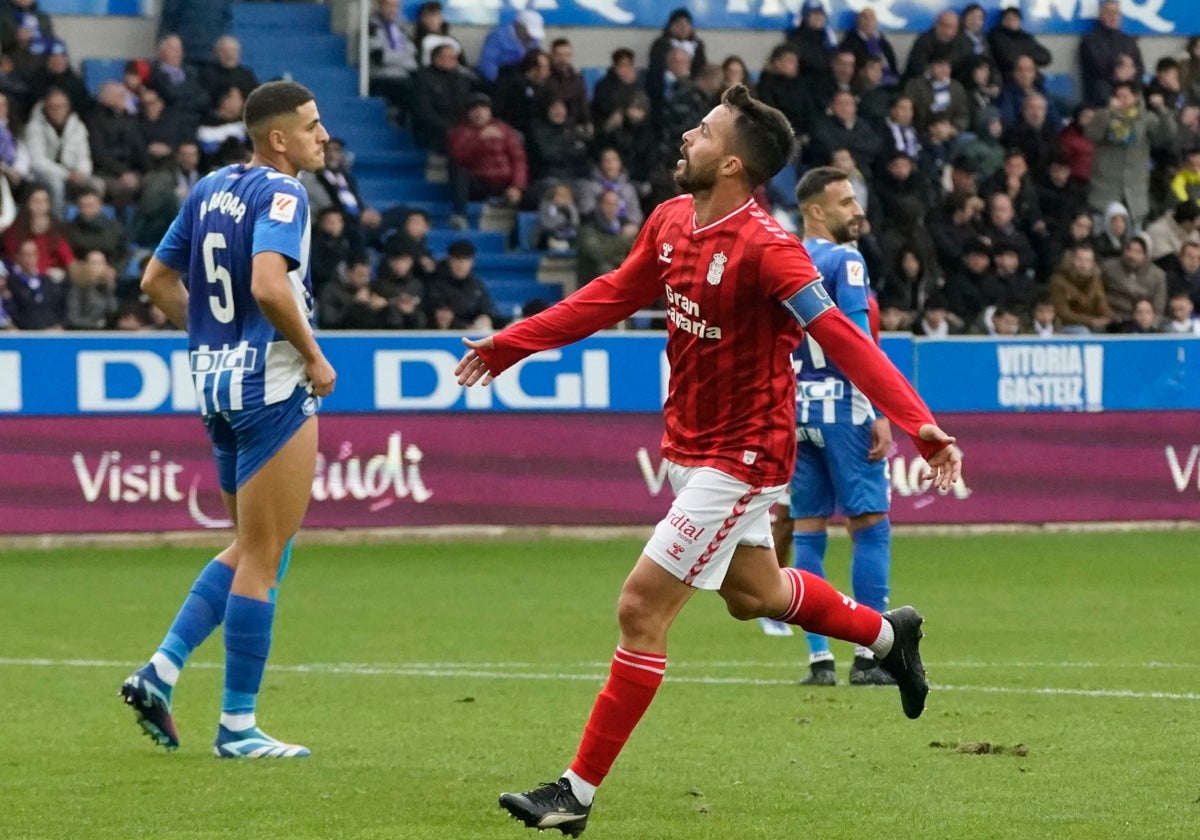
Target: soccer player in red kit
739, 292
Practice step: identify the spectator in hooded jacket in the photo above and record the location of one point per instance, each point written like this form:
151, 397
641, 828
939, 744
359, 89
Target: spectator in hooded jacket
616, 89
1132, 277
443, 89
813, 39
456, 298
487, 157
1100, 54
1124, 133
944, 40
393, 56
55, 71
566, 83
226, 70
866, 40
60, 153
609, 175
118, 146
36, 299
679, 33
1009, 41
509, 42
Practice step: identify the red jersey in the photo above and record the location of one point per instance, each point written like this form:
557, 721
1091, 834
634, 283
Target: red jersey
731, 403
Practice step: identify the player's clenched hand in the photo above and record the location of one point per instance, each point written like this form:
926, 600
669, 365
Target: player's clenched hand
881, 439
321, 376
945, 465
472, 368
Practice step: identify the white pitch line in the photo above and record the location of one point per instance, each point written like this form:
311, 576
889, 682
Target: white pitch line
453, 670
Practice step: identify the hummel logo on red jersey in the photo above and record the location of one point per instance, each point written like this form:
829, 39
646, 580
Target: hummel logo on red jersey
667, 248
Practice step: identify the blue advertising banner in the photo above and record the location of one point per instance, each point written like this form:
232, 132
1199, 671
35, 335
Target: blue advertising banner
102, 8
1141, 17
104, 374
115, 374
1094, 374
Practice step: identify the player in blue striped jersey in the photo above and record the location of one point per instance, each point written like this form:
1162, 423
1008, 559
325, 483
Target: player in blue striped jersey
233, 270
841, 442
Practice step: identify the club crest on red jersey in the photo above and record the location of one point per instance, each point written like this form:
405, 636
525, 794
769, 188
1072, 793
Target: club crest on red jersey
667, 248
716, 268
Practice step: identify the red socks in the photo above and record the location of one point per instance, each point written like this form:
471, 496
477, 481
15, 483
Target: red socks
819, 608
632, 682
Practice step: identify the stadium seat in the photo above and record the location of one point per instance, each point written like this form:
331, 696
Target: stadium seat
380, 190
1061, 88
101, 8
782, 188
592, 75
270, 15
97, 71
526, 222
485, 241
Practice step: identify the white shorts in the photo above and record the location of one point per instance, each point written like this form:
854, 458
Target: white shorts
713, 513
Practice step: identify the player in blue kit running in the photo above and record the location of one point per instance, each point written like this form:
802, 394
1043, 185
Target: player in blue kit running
841, 441
233, 270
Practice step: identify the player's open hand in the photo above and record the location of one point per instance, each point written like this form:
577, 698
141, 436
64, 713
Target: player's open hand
321, 376
945, 465
471, 367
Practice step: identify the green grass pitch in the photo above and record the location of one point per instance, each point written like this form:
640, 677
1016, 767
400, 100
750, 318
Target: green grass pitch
429, 678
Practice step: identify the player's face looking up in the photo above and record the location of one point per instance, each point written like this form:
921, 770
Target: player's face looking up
841, 212
704, 152
300, 137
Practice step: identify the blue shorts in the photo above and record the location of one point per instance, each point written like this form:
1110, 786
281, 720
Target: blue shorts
245, 440
833, 474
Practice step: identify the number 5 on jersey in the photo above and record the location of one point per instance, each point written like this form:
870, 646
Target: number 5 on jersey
222, 306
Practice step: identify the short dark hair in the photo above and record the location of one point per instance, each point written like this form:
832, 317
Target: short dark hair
559, 42
461, 249
1186, 211
762, 135
812, 185
622, 54
531, 59
780, 50
271, 100
1166, 63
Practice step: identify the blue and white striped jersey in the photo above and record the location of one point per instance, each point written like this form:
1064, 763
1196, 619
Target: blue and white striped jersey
823, 393
238, 359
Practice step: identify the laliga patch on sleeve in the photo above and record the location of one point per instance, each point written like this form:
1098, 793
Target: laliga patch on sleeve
856, 275
283, 207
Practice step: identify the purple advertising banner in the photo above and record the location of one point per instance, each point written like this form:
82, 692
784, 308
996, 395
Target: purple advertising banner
155, 473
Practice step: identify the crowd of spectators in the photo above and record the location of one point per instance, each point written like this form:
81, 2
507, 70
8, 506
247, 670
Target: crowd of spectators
991, 206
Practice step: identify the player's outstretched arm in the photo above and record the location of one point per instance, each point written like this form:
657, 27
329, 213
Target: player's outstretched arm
874, 374
471, 367
272, 292
164, 286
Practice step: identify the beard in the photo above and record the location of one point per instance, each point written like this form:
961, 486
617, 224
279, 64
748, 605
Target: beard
693, 179
847, 231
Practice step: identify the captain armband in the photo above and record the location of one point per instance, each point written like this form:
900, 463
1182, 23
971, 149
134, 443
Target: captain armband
809, 302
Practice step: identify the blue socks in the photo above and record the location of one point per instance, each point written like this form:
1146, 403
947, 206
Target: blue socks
247, 642
808, 555
871, 563
202, 611
284, 560
869, 569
